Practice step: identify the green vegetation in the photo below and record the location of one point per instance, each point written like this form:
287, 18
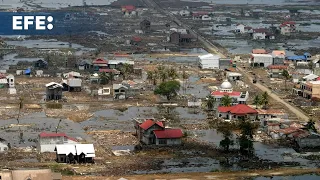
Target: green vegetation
104, 78
169, 89
225, 128
125, 70
265, 99
286, 76
257, 101
163, 74
226, 100
210, 101
311, 126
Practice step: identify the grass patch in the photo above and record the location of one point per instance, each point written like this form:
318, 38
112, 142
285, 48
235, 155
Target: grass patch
54, 106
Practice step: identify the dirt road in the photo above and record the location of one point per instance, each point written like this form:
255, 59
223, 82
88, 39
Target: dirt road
293, 109
204, 176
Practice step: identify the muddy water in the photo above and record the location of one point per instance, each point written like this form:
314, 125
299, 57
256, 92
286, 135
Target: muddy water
38, 122
114, 119
40, 43
302, 177
10, 59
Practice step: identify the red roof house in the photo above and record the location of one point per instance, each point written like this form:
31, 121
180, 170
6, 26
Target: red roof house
237, 111
231, 94
168, 133
259, 51
128, 8
48, 141
100, 61
149, 123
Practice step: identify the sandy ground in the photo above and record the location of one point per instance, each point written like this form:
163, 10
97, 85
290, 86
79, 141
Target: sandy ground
202, 176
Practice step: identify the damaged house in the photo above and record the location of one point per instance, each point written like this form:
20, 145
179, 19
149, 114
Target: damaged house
53, 91
48, 141
75, 153
154, 132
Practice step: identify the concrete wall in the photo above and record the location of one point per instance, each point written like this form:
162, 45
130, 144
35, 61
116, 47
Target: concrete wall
170, 142
316, 90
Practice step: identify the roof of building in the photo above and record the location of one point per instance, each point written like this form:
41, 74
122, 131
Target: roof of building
226, 85
260, 30
262, 55
119, 61
259, 51
118, 86
44, 134
239, 109
289, 22
72, 74
66, 149
54, 85
136, 39
128, 8
248, 27
270, 111
231, 94
310, 77
168, 134
294, 58
278, 53
87, 149
100, 61
148, 123
277, 67
289, 130
233, 74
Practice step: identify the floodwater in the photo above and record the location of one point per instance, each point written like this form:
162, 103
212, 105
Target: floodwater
10, 59
41, 43
194, 164
263, 151
111, 119
37, 123
31, 4
260, 2
301, 177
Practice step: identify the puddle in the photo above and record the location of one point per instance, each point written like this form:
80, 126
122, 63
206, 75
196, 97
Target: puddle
38, 123
196, 164
301, 177
114, 119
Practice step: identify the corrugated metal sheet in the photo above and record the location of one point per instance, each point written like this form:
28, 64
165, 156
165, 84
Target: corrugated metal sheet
66, 149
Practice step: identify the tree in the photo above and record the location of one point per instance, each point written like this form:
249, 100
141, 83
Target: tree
286, 76
169, 89
311, 126
225, 128
150, 76
210, 101
172, 73
247, 129
226, 100
257, 101
20, 107
125, 69
163, 75
104, 78
265, 99
111, 77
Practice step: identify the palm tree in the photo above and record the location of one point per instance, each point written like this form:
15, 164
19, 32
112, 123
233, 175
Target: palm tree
20, 107
125, 69
257, 101
286, 76
172, 73
225, 128
226, 100
150, 76
265, 99
247, 129
163, 75
111, 77
311, 126
103, 78
210, 101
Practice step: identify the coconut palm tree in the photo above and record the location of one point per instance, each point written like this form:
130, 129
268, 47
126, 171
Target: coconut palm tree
286, 76
103, 78
172, 73
225, 128
226, 100
210, 101
163, 75
265, 99
257, 101
126, 69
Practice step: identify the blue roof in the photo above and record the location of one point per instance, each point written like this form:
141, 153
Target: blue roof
295, 58
307, 54
27, 71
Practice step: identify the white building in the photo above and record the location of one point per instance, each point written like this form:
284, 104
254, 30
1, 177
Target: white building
48, 141
234, 76
263, 60
209, 61
184, 13
10, 78
227, 90
3, 147
259, 34
104, 91
240, 28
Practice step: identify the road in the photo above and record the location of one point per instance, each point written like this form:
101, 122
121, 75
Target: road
213, 49
293, 109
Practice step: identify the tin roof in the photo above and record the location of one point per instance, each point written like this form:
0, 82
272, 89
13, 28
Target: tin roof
168, 134
239, 109
148, 123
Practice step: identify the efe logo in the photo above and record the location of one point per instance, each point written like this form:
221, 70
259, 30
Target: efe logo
23, 22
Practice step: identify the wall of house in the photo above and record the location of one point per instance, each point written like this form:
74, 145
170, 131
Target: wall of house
259, 36
176, 141
48, 144
308, 142
316, 90
6, 175
145, 137
3, 147
40, 174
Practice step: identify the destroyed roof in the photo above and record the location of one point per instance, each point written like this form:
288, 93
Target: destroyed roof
259, 51
148, 123
118, 86
44, 134
231, 94
86, 149
54, 85
278, 53
239, 109
277, 67
168, 134
270, 111
310, 77
66, 149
